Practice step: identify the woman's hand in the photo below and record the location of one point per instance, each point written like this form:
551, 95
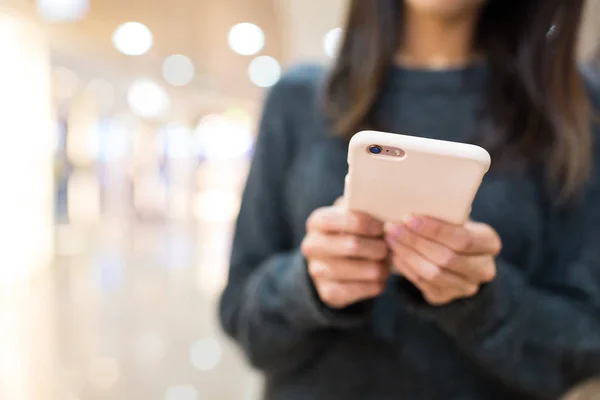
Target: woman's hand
345, 252
446, 262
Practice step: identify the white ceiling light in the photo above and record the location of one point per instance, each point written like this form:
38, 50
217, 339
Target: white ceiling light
147, 99
178, 70
63, 10
264, 71
332, 41
246, 39
133, 38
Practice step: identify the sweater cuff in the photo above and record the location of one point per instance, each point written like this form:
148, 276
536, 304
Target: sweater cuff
477, 315
305, 308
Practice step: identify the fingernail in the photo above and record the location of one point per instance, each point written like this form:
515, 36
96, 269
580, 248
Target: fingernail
413, 222
397, 231
387, 227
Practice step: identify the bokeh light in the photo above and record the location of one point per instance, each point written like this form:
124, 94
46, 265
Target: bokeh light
177, 140
216, 205
148, 99
264, 71
182, 392
150, 348
220, 138
114, 140
63, 10
133, 39
246, 39
206, 354
332, 41
239, 116
178, 70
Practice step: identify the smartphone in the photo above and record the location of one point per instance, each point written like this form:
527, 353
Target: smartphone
391, 175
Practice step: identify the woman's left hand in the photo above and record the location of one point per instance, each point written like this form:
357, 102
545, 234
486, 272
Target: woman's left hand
446, 262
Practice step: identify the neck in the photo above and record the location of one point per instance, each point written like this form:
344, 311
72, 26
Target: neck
434, 42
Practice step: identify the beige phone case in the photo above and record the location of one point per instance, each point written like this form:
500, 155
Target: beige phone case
413, 175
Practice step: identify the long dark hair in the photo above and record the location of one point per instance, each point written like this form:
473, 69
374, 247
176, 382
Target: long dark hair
537, 106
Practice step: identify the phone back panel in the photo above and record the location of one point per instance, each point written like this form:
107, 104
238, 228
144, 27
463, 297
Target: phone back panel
434, 178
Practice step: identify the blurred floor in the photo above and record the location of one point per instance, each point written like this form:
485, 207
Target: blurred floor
127, 312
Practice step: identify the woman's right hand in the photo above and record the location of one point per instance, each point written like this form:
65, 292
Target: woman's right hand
346, 255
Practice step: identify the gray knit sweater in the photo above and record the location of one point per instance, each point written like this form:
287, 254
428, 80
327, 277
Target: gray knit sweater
531, 334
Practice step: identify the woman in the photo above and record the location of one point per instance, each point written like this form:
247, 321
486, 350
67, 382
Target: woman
310, 297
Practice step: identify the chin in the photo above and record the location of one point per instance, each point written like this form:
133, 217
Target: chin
443, 7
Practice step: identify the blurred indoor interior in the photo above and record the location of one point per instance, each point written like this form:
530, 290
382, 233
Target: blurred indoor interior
127, 129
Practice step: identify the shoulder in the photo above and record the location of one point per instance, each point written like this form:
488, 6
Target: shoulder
298, 85
303, 76
293, 107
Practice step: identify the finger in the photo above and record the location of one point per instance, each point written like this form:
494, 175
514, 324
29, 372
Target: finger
338, 220
477, 269
455, 237
474, 268
488, 242
446, 281
339, 294
348, 270
422, 267
470, 238
435, 252
319, 245
431, 293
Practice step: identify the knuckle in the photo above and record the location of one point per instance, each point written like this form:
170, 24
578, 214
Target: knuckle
434, 277
356, 224
434, 299
471, 290
465, 242
317, 270
489, 273
448, 258
307, 247
315, 217
352, 244
332, 294
497, 248
432, 228
378, 288
377, 271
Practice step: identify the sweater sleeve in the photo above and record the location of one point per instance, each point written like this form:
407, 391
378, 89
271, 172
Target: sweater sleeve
269, 305
541, 335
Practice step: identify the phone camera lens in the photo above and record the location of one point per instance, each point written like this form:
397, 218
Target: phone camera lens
375, 149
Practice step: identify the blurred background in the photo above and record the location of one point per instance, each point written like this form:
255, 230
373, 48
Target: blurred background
126, 130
